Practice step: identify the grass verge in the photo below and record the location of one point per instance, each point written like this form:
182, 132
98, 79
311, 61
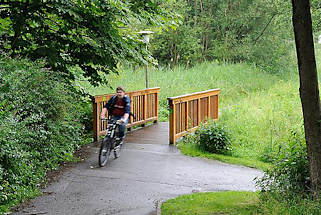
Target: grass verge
229, 202
192, 150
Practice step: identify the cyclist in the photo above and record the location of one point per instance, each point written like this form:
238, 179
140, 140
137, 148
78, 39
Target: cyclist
118, 107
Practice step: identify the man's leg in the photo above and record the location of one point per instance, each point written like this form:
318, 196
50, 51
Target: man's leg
123, 129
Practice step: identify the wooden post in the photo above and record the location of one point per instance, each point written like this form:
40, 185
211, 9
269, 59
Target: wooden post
156, 107
171, 122
198, 112
216, 107
145, 109
209, 107
186, 116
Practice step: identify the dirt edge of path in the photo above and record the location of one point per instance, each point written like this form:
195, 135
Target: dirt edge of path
80, 155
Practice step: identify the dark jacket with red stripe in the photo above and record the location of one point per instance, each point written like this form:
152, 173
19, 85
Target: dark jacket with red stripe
112, 101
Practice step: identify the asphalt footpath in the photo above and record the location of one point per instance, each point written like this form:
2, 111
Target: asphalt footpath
148, 172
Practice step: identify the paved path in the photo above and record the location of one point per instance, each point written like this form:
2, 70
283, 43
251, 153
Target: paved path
148, 171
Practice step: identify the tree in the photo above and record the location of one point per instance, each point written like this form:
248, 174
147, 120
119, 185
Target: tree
91, 34
309, 90
234, 31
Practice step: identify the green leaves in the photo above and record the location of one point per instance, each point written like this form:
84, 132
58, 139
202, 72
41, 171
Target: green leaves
40, 126
236, 31
90, 34
290, 173
213, 137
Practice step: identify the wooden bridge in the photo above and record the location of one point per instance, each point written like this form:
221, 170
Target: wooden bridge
186, 112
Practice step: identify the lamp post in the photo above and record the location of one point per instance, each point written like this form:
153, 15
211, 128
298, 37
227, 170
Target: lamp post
146, 36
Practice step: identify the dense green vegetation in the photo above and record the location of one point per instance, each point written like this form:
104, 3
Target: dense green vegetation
94, 35
41, 125
257, 32
44, 47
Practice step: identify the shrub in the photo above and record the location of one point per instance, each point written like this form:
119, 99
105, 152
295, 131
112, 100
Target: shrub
213, 138
276, 204
290, 174
39, 127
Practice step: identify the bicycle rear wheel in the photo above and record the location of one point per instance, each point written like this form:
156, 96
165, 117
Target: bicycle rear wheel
104, 152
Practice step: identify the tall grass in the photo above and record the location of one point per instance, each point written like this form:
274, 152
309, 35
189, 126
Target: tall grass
235, 81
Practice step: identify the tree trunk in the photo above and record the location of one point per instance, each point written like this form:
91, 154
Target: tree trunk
309, 91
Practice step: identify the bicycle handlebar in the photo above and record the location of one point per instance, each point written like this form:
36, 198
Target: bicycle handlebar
119, 122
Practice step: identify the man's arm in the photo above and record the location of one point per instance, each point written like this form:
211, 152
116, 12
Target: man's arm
103, 113
107, 105
126, 115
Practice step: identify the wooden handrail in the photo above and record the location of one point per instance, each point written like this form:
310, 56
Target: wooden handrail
188, 111
144, 105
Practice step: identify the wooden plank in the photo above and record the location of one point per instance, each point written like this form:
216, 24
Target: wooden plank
209, 107
99, 98
180, 99
171, 122
190, 118
180, 121
185, 132
216, 108
148, 105
203, 108
193, 112
177, 119
156, 107
198, 112
141, 122
186, 116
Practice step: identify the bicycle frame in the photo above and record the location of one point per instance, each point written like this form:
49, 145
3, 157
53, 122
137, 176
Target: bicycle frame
108, 142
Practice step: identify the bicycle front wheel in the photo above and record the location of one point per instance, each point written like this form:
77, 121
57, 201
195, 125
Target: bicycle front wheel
104, 152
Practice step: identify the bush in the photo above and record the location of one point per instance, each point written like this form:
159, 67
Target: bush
39, 127
290, 174
213, 137
276, 204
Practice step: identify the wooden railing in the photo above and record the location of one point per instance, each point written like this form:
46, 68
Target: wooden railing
144, 105
188, 111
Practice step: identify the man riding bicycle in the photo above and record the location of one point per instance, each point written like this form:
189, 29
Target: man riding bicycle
118, 107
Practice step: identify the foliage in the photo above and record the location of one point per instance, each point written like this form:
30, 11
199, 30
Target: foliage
276, 204
91, 34
177, 46
39, 127
290, 173
234, 31
316, 15
213, 137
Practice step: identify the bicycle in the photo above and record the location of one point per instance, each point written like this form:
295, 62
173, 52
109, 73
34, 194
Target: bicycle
110, 142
